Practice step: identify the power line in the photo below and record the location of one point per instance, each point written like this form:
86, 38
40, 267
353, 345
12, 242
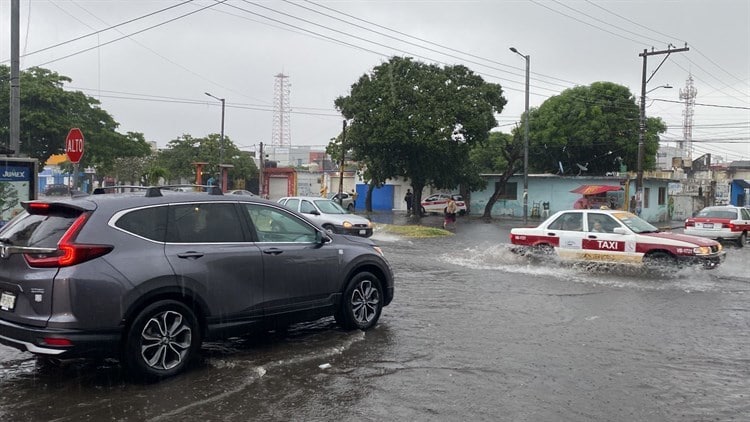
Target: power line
705, 105
102, 30
134, 33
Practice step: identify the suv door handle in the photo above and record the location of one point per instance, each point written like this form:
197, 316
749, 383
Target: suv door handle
273, 251
190, 255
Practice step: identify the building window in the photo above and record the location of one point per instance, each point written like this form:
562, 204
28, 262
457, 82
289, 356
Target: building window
646, 194
510, 192
662, 196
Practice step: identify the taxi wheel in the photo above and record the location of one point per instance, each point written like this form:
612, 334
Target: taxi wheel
659, 259
544, 249
742, 240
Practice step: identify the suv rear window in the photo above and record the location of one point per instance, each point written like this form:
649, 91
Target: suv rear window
150, 223
43, 231
202, 223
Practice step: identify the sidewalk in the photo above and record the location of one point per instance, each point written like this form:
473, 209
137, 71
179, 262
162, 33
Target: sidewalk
399, 218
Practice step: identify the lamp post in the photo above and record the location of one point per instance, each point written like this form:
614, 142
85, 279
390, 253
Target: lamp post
221, 141
641, 139
525, 141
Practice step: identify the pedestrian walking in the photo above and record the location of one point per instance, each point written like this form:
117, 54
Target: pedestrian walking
409, 198
450, 214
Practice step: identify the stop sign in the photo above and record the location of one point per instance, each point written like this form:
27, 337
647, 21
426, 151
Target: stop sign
74, 145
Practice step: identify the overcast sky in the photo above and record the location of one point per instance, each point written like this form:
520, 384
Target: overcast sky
151, 73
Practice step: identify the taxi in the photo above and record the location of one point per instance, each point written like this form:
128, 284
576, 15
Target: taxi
722, 222
436, 203
604, 235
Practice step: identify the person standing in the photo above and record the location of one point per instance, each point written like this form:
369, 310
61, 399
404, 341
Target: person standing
450, 214
409, 198
354, 196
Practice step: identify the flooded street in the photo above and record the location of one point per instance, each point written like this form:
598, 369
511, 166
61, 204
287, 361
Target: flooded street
474, 333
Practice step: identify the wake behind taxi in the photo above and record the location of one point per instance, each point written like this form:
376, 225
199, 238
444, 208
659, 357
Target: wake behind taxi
604, 235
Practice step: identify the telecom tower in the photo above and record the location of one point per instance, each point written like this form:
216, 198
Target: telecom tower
688, 94
281, 133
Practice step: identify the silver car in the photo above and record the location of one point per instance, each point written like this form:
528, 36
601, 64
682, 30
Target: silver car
146, 277
329, 215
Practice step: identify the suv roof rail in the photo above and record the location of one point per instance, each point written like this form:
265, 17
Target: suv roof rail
152, 191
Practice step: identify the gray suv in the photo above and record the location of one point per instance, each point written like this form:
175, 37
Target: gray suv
146, 277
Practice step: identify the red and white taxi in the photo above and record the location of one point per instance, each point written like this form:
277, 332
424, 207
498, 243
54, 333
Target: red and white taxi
603, 235
437, 203
724, 222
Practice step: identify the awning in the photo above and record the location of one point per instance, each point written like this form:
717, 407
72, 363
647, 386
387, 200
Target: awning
595, 189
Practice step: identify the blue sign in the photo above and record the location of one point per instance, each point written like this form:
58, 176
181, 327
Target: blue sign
14, 174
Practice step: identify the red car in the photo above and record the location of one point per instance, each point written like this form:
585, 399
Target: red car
725, 222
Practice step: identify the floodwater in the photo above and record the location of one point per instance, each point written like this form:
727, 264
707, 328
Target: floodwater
474, 333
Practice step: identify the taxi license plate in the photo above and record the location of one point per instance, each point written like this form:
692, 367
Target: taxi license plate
708, 225
7, 301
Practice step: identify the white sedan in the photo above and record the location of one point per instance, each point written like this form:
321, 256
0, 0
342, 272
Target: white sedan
436, 203
614, 236
329, 215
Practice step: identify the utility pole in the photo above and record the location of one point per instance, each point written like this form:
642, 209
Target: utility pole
260, 172
642, 118
15, 80
341, 166
527, 58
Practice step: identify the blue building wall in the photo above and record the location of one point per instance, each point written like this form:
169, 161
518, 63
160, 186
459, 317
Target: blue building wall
557, 191
382, 198
739, 192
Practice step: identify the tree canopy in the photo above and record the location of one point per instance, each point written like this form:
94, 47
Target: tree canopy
178, 157
592, 130
419, 121
48, 112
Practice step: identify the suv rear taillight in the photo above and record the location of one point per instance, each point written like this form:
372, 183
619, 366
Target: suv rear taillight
68, 252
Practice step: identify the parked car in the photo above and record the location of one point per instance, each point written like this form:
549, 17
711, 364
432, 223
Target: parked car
147, 277
347, 200
58, 190
329, 215
240, 192
614, 236
436, 203
724, 222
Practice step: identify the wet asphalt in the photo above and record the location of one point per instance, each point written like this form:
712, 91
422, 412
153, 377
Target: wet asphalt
474, 333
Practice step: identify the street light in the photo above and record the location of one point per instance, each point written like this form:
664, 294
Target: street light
221, 142
525, 142
667, 86
641, 138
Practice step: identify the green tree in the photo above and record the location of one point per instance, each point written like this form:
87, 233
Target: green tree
501, 154
592, 126
48, 112
178, 157
419, 121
